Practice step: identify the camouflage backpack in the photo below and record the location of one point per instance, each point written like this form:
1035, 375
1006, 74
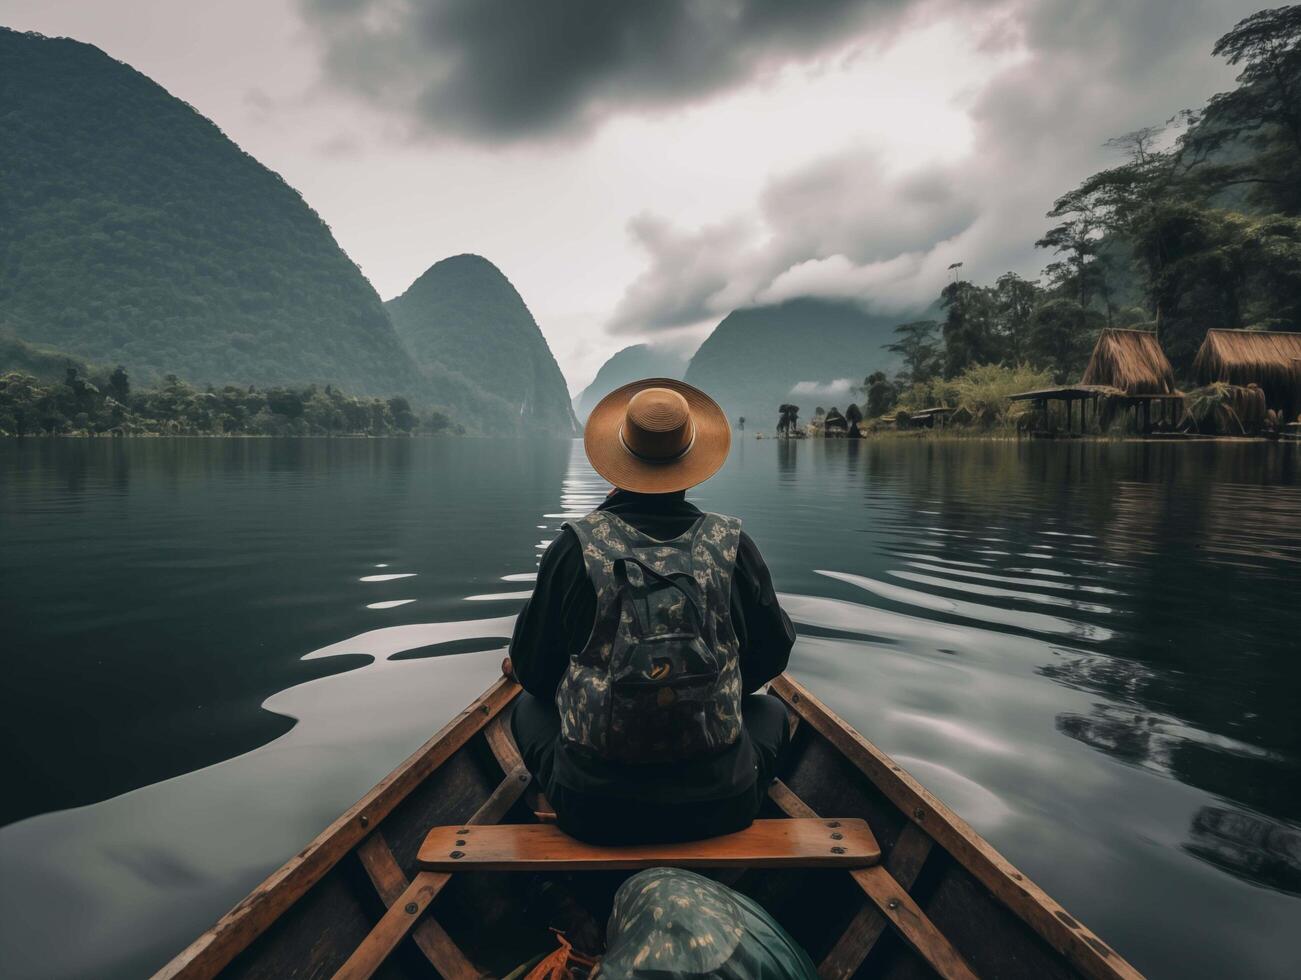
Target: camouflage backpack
660, 676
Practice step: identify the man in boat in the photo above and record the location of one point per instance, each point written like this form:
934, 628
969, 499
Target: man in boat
650, 628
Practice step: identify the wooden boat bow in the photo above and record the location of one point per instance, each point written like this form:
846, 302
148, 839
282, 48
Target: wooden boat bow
938, 896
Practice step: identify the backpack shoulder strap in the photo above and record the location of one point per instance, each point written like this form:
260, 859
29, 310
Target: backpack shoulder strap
713, 556
601, 540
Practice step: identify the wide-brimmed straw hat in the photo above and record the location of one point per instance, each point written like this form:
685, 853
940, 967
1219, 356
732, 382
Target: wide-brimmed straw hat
657, 435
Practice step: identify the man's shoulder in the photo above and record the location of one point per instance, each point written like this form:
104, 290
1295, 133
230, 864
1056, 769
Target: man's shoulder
563, 545
748, 558
724, 518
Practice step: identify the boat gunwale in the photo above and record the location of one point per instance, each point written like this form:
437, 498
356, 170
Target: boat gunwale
235, 931
1081, 947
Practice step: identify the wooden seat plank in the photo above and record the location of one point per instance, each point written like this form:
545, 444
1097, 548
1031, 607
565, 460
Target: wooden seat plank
834, 843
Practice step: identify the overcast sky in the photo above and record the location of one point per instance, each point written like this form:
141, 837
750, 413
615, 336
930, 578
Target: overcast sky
638, 169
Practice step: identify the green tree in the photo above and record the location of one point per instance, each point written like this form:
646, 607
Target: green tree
286, 402
1263, 112
881, 392
1079, 273
918, 347
403, 418
119, 385
1014, 300
968, 329
1061, 335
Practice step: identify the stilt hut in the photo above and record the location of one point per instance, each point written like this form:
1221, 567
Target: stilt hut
1269, 359
1126, 365
1131, 360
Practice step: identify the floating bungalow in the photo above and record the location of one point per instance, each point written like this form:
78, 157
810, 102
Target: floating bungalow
1127, 367
1270, 360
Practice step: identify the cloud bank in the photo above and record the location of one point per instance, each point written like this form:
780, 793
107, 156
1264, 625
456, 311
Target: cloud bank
848, 220
501, 70
844, 227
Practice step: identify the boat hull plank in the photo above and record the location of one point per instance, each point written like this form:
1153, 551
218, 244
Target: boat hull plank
906, 860
975, 857
891, 899
309, 917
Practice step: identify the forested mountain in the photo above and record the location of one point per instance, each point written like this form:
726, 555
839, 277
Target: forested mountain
756, 357
133, 231
630, 364
471, 335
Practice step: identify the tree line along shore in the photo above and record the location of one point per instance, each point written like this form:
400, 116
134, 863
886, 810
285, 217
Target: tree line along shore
106, 404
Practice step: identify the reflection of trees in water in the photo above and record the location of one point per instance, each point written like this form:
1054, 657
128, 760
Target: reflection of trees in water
1200, 543
1246, 525
787, 457
1249, 846
1131, 737
1252, 846
1133, 728
1200, 546
1226, 518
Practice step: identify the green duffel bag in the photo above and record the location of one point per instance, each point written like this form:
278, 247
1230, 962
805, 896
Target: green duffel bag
669, 924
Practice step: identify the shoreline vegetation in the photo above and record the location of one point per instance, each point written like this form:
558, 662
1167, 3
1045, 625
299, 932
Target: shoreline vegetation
1181, 263
94, 403
959, 434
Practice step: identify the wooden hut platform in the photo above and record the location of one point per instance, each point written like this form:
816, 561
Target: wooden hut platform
1126, 364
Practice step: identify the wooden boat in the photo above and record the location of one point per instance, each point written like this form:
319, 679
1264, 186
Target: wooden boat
355, 902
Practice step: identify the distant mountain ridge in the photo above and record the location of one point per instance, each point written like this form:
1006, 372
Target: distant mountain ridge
755, 358
630, 364
135, 231
472, 336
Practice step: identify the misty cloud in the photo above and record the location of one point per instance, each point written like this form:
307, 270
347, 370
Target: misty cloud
843, 227
690, 276
837, 388
850, 206
498, 70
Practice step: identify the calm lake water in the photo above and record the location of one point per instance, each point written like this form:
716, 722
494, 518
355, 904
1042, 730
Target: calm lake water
211, 647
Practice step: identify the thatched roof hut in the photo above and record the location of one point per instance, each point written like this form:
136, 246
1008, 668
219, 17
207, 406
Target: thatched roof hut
1131, 361
1269, 359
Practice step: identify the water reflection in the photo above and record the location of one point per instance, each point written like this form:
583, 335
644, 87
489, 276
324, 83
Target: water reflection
1174, 656
1262, 851
1088, 650
1014, 618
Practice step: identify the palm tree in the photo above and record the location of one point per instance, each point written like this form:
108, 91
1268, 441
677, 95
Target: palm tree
788, 420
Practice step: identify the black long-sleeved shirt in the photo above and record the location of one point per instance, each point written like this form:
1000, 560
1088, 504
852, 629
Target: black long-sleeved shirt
557, 620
